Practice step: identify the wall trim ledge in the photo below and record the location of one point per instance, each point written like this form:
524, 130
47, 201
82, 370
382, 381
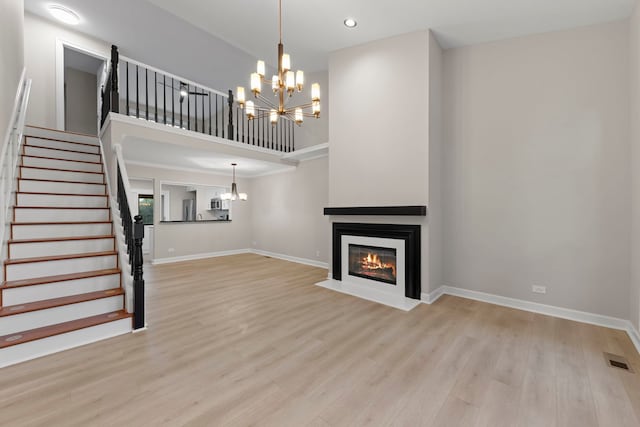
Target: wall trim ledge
549, 310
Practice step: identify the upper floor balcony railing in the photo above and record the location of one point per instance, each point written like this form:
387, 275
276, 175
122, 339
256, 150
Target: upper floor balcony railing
142, 91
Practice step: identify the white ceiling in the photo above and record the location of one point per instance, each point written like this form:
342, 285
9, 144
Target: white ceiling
312, 29
180, 157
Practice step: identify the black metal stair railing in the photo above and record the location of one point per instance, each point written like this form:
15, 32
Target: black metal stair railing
153, 95
133, 234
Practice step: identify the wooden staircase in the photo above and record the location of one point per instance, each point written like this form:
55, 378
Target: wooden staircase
61, 280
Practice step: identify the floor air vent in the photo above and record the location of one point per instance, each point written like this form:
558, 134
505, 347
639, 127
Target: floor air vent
616, 361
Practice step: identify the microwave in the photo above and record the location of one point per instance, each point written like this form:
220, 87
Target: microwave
216, 204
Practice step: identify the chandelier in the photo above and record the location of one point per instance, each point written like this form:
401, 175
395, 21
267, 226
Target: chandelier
283, 84
234, 195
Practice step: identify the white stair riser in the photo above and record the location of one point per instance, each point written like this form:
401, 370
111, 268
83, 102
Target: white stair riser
60, 187
61, 164
38, 348
60, 215
65, 247
52, 143
25, 294
46, 133
61, 175
59, 154
32, 270
52, 316
65, 201
59, 230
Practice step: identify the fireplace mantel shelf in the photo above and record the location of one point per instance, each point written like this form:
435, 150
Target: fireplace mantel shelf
378, 210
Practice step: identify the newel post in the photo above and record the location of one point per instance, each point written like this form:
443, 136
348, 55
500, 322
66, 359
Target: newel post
230, 126
138, 281
115, 97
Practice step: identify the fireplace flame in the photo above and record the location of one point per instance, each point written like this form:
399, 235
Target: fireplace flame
373, 262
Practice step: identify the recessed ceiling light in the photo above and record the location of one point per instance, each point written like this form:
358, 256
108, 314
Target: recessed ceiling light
350, 23
64, 14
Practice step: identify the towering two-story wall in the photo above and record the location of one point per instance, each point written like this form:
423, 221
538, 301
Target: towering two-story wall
11, 58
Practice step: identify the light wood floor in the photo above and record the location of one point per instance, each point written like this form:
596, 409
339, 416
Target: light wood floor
248, 340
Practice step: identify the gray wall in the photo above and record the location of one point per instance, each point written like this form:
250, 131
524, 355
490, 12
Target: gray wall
536, 188
634, 121
198, 237
11, 59
40, 58
81, 101
287, 214
434, 205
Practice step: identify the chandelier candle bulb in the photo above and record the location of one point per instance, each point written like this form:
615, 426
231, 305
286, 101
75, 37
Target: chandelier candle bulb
251, 111
290, 82
299, 80
256, 85
286, 62
260, 68
273, 117
240, 96
315, 92
299, 117
275, 84
315, 108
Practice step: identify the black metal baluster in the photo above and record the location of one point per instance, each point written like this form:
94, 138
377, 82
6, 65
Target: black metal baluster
195, 106
146, 92
293, 140
188, 108
216, 114
164, 98
173, 104
210, 95
137, 93
127, 67
181, 102
203, 125
155, 94
237, 126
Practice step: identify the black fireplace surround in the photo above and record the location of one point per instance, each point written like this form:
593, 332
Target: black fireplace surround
409, 233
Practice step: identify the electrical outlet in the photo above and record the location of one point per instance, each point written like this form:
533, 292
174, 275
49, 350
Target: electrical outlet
171, 250
539, 289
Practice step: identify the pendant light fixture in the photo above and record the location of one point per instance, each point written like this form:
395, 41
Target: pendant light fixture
234, 195
283, 84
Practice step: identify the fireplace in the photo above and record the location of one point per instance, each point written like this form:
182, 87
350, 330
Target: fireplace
381, 258
373, 263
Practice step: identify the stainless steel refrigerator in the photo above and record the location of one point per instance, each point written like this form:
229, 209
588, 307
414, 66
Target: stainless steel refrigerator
189, 210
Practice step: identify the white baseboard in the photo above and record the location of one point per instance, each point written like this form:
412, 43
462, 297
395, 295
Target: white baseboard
549, 310
193, 257
431, 297
304, 261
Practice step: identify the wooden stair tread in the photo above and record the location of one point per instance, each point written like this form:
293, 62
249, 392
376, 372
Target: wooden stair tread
61, 328
61, 181
57, 207
60, 149
58, 278
60, 223
56, 158
58, 257
62, 239
61, 194
60, 170
28, 307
